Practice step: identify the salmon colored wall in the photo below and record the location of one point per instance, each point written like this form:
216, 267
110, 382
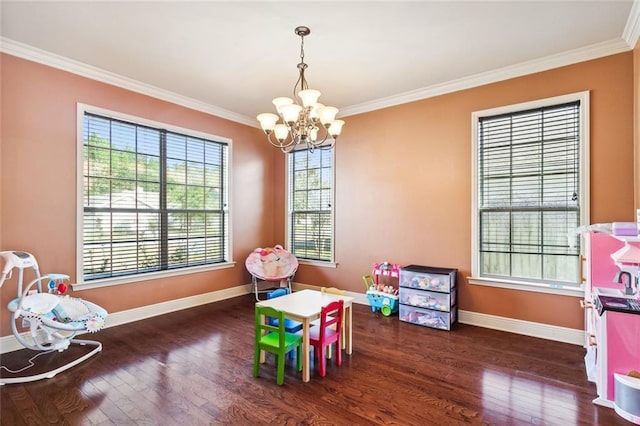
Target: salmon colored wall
38, 178
403, 183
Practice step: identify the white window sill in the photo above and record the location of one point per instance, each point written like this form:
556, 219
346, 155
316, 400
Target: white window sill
320, 263
108, 282
563, 290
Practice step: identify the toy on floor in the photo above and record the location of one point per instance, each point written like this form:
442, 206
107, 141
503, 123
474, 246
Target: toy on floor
382, 296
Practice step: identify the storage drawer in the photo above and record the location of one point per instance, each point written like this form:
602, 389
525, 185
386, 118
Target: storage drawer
428, 299
427, 317
424, 278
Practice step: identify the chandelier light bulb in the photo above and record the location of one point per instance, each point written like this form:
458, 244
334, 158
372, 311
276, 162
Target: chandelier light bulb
335, 128
313, 134
290, 113
327, 115
309, 97
280, 102
267, 121
314, 111
281, 132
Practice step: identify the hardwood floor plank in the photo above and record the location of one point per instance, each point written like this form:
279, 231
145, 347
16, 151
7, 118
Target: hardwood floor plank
194, 367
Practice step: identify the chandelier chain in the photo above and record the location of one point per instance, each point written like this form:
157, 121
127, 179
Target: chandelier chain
302, 81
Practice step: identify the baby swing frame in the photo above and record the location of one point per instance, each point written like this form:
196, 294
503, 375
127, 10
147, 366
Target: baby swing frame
49, 327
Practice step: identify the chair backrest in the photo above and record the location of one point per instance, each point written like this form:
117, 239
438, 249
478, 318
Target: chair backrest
333, 290
264, 327
331, 315
272, 295
277, 293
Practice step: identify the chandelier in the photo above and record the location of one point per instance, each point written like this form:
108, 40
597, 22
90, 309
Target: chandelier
305, 121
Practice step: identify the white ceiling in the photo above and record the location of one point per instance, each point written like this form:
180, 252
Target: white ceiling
231, 58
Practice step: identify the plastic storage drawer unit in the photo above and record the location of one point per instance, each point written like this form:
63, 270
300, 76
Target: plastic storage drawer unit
429, 299
427, 317
425, 278
428, 296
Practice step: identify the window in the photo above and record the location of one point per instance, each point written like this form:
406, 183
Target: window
154, 198
530, 191
310, 203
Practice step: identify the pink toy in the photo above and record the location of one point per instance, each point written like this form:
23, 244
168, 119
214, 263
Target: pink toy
380, 295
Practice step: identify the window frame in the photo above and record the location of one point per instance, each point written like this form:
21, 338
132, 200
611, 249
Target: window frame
81, 284
514, 283
289, 209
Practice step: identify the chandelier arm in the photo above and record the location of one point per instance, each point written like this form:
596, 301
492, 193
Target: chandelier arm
277, 143
300, 81
303, 80
326, 136
287, 149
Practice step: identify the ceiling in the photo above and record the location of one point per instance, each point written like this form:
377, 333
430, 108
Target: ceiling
231, 58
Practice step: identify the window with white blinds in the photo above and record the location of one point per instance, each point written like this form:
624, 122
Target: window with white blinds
310, 203
529, 187
153, 199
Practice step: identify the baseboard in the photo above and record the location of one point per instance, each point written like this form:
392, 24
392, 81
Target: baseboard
528, 328
544, 331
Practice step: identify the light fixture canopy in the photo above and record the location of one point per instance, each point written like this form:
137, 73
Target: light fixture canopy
301, 120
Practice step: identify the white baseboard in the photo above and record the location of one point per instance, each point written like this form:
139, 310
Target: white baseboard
528, 328
544, 331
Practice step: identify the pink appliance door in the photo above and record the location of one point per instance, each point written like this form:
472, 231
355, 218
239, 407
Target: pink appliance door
623, 346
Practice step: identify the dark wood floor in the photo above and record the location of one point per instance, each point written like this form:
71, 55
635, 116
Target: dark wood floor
194, 367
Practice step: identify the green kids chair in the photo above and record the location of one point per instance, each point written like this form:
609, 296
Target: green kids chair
274, 339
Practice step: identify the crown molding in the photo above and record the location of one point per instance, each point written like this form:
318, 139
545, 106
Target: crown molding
631, 31
33, 54
543, 64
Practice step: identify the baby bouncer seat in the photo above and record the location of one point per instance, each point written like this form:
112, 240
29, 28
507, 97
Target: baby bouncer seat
271, 265
47, 321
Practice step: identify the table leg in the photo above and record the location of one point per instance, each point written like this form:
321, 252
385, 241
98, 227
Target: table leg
348, 329
305, 349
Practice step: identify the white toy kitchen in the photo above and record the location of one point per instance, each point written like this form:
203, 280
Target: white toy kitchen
612, 320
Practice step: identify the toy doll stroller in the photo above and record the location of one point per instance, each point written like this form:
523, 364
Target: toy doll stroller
47, 321
271, 265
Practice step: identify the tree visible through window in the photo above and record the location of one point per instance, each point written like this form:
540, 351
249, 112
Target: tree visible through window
529, 194
310, 203
153, 199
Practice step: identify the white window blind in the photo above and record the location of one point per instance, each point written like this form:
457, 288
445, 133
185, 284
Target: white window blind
153, 199
310, 201
529, 194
